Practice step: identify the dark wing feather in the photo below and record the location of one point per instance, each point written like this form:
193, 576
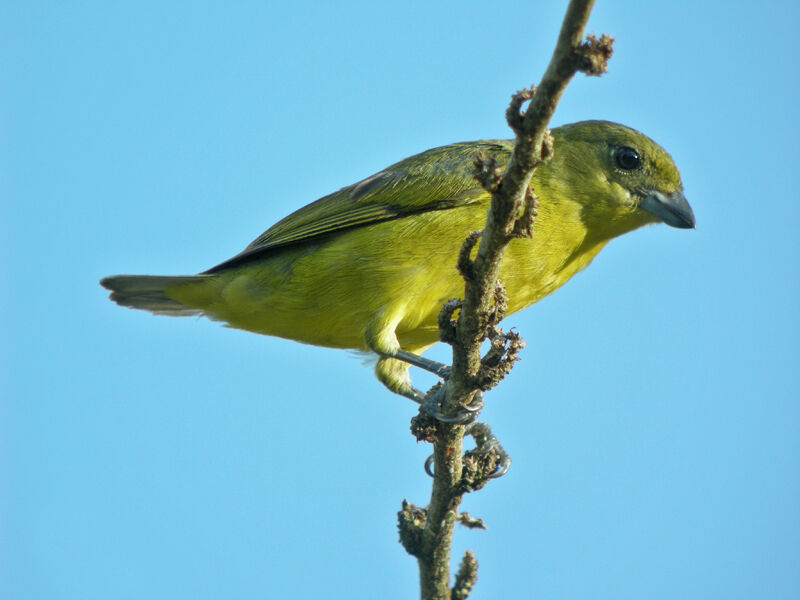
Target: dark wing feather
437, 179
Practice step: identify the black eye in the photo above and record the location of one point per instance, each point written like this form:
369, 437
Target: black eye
627, 158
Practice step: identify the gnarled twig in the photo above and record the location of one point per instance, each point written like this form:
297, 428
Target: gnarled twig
510, 215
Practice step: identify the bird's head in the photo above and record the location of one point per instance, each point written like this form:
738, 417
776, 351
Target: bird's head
620, 178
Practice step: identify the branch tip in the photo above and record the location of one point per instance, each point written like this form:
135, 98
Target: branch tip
515, 114
424, 427
487, 172
465, 264
470, 522
500, 359
497, 312
410, 525
523, 226
466, 576
447, 320
593, 54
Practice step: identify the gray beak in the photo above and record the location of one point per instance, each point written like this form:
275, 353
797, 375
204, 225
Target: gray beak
672, 209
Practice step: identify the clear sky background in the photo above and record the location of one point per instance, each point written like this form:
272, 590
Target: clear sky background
654, 422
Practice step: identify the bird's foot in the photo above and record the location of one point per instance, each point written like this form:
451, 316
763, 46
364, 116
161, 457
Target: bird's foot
466, 414
488, 453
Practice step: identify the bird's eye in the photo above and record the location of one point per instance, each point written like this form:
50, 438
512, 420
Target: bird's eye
627, 158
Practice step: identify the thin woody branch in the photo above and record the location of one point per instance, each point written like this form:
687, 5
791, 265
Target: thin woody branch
511, 214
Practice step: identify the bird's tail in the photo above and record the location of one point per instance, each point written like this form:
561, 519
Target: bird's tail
148, 292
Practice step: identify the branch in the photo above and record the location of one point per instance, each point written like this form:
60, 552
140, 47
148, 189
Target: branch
511, 214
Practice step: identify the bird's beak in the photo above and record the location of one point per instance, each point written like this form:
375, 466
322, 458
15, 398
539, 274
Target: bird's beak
672, 209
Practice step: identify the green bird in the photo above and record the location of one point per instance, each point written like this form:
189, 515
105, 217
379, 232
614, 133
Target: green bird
369, 267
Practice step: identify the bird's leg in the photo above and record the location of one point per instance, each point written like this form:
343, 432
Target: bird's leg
433, 404
393, 373
426, 364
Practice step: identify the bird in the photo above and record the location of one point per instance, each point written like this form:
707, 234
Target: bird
369, 267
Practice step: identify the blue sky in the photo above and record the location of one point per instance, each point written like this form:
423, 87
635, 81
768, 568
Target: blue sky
654, 422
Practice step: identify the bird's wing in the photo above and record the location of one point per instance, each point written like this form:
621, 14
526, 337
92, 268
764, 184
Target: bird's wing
437, 179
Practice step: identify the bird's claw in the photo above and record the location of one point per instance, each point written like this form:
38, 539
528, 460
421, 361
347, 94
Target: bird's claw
465, 415
502, 467
486, 443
